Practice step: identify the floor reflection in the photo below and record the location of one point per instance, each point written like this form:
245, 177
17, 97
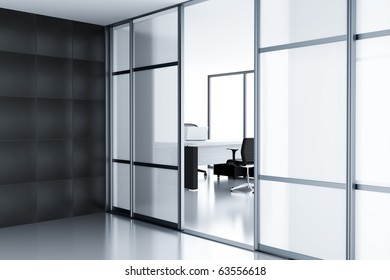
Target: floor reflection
214, 210
105, 236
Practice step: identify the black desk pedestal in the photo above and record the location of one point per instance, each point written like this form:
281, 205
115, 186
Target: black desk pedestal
191, 168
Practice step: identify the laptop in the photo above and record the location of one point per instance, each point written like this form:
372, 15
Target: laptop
193, 133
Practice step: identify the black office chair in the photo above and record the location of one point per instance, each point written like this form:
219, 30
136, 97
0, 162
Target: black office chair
194, 125
247, 161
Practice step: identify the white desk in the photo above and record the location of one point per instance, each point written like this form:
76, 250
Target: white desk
211, 152
206, 152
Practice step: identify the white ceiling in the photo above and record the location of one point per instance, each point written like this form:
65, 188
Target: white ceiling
102, 12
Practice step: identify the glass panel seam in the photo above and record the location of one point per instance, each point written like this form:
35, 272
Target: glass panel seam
303, 44
303, 182
374, 34
372, 188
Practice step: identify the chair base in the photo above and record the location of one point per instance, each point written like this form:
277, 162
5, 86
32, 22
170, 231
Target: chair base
249, 186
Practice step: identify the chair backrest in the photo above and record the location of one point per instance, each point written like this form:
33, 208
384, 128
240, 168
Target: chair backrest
248, 150
190, 125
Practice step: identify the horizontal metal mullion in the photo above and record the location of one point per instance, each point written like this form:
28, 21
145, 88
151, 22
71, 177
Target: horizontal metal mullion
303, 182
284, 253
375, 34
219, 239
121, 72
154, 165
303, 44
156, 66
371, 188
156, 221
231, 73
121, 161
155, 13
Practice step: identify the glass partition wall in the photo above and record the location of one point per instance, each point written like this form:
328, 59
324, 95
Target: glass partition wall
302, 124
322, 143
372, 135
145, 118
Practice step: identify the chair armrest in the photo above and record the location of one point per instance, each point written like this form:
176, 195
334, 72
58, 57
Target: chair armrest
233, 154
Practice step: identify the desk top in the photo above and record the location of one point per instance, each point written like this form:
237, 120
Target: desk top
212, 143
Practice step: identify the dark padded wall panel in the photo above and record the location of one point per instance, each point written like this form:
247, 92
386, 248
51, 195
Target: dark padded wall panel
54, 160
88, 119
89, 195
17, 74
54, 37
54, 119
88, 42
17, 118
17, 162
18, 204
55, 200
54, 77
17, 32
88, 158
88, 80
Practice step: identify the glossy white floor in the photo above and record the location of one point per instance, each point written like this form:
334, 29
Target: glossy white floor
214, 210
105, 236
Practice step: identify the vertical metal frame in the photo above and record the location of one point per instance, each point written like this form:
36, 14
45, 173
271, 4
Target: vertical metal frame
351, 123
257, 123
180, 78
108, 116
244, 104
131, 116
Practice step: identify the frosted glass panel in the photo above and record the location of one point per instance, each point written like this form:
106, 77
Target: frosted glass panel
156, 39
289, 21
372, 15
372, 111
226, 107
307, 220
156, 116
121, 41
372, 225
121, 117
156, 193
303, 113
250, 105
121, 185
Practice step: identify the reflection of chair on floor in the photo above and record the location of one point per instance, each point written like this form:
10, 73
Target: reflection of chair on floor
194, 125
234, 167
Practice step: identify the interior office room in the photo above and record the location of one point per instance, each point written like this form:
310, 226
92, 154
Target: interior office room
125, 129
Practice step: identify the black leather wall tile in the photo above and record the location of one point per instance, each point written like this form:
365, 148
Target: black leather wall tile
88, 119
88, 42
88, 80
17, 74
54, 119
55, 200
17, 162
54, 77
17, 118
54, 160
18, 204
88, 158
54, 37
89, 195
17, 31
